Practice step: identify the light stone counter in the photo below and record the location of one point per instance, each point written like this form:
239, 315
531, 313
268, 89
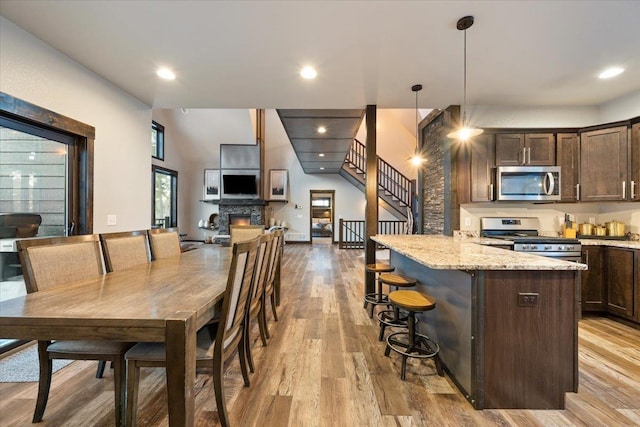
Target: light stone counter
449, 253
616, 243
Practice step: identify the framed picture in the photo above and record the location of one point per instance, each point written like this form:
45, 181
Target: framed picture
211, 184
278, 184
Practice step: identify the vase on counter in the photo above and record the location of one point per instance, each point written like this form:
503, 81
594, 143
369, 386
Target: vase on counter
206, 224
201, 223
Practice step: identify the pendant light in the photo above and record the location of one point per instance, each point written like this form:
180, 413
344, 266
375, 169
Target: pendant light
465, 132
417, 159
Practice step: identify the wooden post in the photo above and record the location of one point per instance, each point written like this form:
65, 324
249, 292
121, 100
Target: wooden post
260, 119
371, 196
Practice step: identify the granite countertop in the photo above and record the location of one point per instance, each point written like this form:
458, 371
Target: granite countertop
629, 244
452, 253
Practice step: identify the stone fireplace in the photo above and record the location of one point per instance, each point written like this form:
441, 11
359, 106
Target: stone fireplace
240, 212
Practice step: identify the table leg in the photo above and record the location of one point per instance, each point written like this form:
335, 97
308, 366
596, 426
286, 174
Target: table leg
181, 368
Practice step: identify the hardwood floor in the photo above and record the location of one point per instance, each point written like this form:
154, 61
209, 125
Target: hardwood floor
325, 367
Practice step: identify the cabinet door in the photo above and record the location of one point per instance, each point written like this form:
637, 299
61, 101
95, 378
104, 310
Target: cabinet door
510, 149
540, 149
619, 275
593, 289
634, 184
476, 171
482, 169
569, 162
603, 165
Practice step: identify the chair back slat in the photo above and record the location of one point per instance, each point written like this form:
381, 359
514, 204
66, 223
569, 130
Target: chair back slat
165, 243
262, 268
237, 293
278, 240
125, 250
56, 261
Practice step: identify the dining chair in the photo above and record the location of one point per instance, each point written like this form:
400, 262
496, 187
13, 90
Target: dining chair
241, 233
56, 261
215, 343
123, 250
164, 242
256, 305
270, 284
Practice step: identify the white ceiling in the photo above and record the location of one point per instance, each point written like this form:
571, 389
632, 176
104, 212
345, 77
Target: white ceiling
247, 54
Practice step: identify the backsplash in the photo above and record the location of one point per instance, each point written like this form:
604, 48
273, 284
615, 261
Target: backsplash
552, 215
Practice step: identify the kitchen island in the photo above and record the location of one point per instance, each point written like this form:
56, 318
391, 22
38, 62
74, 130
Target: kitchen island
506, 322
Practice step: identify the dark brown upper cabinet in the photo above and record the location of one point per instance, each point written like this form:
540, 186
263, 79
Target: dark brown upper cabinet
476, 169
634, 184
568, 158
529, 149
604, 165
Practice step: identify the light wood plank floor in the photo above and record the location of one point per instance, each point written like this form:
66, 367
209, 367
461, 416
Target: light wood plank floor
325, 367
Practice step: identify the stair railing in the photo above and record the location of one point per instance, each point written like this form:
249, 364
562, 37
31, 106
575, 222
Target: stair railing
351, 232
391, 180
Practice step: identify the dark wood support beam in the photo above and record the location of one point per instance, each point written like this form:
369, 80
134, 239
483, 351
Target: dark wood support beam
371, 196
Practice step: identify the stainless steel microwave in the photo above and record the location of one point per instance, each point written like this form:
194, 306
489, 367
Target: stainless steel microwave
528, 183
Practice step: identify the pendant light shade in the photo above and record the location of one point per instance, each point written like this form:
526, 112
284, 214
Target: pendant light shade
417, 159
465, 132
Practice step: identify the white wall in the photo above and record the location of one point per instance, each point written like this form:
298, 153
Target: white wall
39, 74
173, 159
622, 108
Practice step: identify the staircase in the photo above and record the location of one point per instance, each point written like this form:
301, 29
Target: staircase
395, 190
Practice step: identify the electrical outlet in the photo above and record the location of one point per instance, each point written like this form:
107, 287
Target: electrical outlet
467, 222
527, 299
111, 220
592, 220
299, 216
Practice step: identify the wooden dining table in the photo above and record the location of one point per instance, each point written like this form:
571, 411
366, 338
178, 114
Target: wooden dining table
166, 300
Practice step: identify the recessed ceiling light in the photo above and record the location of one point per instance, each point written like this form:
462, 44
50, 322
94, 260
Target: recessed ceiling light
611, 72
166, 74
308, 73
321, 155
322, 129
321, 168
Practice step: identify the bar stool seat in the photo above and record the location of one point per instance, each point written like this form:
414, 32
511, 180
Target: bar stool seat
410, 343
377, 297
392, 317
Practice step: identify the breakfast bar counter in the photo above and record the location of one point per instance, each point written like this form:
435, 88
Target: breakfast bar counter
506, 322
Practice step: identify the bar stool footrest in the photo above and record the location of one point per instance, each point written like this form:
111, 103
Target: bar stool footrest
376, 299
388, 318
422, 348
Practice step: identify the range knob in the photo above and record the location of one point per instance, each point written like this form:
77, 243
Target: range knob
525, 247
561, 248
534, 247
547, 247
569, 248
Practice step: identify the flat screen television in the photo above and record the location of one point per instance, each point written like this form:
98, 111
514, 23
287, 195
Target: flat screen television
239, 185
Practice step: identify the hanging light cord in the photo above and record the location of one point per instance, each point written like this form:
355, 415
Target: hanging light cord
417, 136
464, 96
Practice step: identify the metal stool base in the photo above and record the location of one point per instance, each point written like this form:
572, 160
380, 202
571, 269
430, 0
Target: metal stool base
422, 347
393, 319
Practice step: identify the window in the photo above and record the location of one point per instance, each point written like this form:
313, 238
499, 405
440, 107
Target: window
157, 141
165, 197
46, 170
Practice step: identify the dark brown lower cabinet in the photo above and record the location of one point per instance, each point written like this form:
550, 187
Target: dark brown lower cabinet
620, 274
593, 289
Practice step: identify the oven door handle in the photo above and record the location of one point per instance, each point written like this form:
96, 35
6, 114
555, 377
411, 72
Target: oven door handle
548, 189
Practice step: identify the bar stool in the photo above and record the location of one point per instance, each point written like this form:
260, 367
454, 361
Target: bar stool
392, 317
411, 343
377, 298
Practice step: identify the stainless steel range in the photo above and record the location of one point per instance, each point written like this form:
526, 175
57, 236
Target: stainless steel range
525, 235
